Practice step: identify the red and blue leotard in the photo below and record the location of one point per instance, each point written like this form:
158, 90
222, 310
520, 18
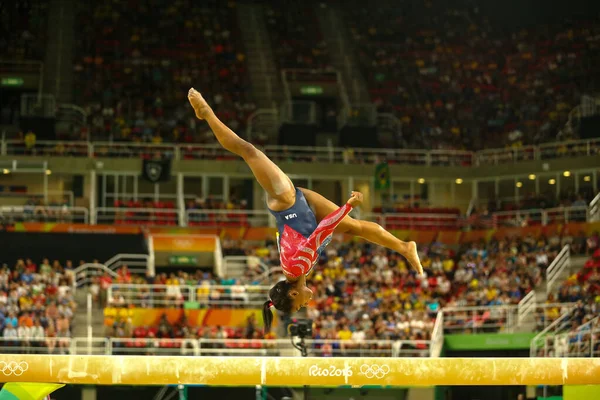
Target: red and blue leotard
298, 254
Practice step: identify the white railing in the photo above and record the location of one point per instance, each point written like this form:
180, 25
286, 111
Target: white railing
45, 345
416, 220
151, 296
302, 154
78, 215
85, 274
487, 319
130, 149
584, 341
57, 148
526, 309
594, 209
227, 218
437, 335
137, 216
237, 266
253, 347
538, 346
557, 268
138, 263
539, 216
546, 314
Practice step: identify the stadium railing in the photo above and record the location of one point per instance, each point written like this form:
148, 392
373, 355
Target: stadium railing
584, 341
214, 347
416, 221
260, 347
539, 346
65, 214
56, 345
557, 268
150, 296
227, 218
484, 319
137, 216
587, 147
544, 217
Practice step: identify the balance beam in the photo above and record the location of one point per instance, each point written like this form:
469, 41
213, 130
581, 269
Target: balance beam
296, 371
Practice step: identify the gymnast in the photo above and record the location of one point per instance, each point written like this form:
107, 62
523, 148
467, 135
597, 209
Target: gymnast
305, 220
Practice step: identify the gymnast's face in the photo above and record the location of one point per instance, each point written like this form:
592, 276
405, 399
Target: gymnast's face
300, 294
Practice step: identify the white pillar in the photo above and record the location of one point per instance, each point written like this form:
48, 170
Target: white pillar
180, 199
204, 186
92, 202
350, 186
135, 187
46, 185
104, 187
226, 189
156, 192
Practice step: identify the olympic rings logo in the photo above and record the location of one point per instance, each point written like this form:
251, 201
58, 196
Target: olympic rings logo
374, 371
13, 368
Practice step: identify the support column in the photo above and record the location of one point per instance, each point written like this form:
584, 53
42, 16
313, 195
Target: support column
92, 202
412, 194
181, 199
135, 187
156, 192
226, 189
46, 185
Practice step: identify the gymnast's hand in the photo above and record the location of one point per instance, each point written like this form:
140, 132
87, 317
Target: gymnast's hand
356, 199
200, 105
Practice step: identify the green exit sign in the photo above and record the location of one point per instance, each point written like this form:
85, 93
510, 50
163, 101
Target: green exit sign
311, 90
12, 82
183, 260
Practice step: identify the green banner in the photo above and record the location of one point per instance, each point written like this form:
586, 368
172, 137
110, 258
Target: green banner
183, 261
489, 341
382, 176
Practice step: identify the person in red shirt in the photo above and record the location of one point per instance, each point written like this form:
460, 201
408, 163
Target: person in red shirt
297, 212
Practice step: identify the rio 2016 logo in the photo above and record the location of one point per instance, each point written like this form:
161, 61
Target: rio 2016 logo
315, 370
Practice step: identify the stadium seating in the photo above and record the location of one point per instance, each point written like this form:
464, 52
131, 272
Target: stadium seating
23, 30
36, 306
459, 81
133, 75
295, 35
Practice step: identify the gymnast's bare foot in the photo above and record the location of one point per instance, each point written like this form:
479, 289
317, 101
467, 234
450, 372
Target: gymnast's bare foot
413, 257
200, 105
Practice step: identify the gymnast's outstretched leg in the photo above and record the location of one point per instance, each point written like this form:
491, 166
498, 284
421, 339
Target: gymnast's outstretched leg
367, 230
279, 187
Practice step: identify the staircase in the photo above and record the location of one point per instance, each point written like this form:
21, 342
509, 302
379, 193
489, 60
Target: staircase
58, 64
342, 54
266, 82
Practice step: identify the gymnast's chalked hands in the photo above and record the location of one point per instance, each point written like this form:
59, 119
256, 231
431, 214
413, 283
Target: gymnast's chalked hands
356, 199
200, 105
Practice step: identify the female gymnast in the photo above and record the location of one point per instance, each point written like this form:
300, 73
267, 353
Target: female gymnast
296, 210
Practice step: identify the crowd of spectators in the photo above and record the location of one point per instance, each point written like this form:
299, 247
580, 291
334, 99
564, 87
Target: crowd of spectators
23, 30
135, 62
459, 80
295, 35
36, 306
365, 293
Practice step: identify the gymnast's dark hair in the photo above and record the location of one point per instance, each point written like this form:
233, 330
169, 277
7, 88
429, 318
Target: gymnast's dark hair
280, 299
